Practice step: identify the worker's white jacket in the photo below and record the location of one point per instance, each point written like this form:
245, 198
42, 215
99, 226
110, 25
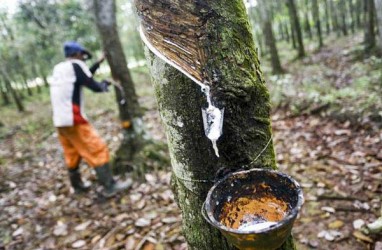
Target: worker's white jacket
68, 79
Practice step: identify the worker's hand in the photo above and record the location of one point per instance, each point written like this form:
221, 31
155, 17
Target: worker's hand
108, 83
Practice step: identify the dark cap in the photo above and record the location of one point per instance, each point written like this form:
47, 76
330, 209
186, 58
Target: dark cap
71, 48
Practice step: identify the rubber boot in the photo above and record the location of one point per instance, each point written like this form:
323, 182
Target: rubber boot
111, 187
76, 181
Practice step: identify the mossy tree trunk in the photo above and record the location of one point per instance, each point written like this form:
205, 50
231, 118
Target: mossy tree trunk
238, 87
127, 100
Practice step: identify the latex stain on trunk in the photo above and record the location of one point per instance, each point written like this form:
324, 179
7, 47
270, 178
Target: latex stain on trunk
175, 32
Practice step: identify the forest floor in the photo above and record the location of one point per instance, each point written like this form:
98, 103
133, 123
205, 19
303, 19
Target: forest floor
335, 154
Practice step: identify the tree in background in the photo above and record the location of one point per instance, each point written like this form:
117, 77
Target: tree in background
343, 16
219, 28
369, 38
317, 22
378, 7
307, 27
270, 40
295, 20
129, 110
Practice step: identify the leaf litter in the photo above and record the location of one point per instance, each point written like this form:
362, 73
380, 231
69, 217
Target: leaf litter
338, 163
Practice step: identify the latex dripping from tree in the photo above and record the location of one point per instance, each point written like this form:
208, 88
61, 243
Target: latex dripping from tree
189, 59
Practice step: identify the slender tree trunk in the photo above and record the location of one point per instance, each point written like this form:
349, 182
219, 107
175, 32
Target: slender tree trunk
334, 12
129, 110
237, 85
369, 38
316, 17
269, 36
4, 94
281, 31
308, 30
352, 15
344, 27
327, 17
15, 96
25, 81
378, 8
293, 34
359, 12
307, 27
297, 27
45, 79
286, 28
35, 74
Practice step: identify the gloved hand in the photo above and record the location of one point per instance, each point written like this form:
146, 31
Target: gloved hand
107, 82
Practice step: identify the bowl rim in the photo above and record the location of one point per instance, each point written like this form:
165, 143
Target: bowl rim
290, 216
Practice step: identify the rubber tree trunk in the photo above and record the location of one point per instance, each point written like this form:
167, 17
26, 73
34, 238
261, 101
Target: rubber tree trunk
327, 17
343, 11
308, 30
293, 34
269, 36
238, 86
129, 110
307, 27
359, 12
25, 82
35, 74
334, 12
378, 8
4, 94
351, 12
286, 28
296, 26
14, 94
317, 22
369, 38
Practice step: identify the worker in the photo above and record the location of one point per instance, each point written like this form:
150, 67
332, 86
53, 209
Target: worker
78, 138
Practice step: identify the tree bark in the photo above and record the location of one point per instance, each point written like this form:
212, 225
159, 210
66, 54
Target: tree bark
378, 8
359, 12
369, 38
296, 26
15, 96
237, 85
334, 12
4, 93
269, 36
327, 17
129, 110
286, 28
293, 34
316, 17
344, 27
308, 29
351, 12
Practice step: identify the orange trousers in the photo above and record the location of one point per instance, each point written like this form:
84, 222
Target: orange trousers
82, 141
